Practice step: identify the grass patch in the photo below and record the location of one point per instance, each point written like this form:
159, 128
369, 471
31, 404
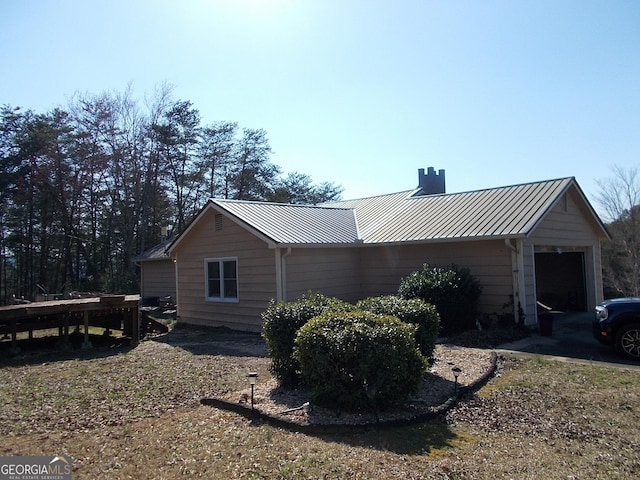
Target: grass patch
578, 420
489, 338
135, 413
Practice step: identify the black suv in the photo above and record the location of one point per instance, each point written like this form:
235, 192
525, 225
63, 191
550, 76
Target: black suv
617, 323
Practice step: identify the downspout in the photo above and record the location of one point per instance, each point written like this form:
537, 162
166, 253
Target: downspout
522, 297
284, 273
597, 292
174, 259
281, 274
517, 267
142, 282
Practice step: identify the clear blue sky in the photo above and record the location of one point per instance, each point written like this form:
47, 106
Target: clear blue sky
361, 92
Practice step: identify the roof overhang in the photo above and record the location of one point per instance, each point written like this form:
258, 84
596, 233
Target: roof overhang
358, 243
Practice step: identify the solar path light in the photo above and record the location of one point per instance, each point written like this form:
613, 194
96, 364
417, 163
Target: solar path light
456, 373
252, 376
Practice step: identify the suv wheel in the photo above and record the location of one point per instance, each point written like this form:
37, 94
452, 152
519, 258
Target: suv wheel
628, 340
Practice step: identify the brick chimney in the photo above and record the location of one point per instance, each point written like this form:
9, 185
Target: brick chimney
432, 183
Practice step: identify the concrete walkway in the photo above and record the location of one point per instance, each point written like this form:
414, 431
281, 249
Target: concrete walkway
571, 340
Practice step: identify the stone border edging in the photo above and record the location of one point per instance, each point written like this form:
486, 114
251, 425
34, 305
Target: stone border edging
255, 414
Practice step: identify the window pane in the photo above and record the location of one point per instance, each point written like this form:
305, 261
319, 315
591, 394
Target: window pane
230, 281
214, 288
229, 269
213, 270
230, 289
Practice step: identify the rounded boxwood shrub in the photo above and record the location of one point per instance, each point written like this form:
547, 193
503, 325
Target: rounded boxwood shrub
280, 323
410, 310
453, 290
359, 360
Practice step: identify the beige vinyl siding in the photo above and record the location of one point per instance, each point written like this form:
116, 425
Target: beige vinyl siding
256, 275
331, 271
489, 261
567, 226
158, 278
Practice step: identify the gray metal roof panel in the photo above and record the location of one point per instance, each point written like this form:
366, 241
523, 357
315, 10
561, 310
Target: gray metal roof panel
498, 212
373, 212
157, 252
291, 224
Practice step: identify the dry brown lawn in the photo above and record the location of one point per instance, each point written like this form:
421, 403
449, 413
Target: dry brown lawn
135, 413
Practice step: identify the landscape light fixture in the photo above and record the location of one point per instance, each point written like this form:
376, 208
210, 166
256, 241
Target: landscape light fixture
456, 373
252, 376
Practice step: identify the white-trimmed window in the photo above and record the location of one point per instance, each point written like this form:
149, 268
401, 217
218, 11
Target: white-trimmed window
221, 279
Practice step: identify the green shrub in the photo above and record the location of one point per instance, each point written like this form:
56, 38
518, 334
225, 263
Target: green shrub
359, 360
280, 323
413, 310
453, 290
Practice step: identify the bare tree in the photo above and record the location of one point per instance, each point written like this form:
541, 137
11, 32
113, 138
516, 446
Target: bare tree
619, 197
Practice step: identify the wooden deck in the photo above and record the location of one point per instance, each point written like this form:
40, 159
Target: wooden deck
112, 312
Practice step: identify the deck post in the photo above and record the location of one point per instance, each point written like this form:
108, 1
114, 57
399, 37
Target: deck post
135, 322
14, 338
87, 343
65, 344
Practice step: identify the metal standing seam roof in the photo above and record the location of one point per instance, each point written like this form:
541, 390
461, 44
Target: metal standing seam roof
498, 212
504, 212
295, 224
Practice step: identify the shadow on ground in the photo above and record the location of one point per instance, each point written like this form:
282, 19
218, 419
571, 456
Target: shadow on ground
195, 340
570, 338
420, 439
215, 341
52, 349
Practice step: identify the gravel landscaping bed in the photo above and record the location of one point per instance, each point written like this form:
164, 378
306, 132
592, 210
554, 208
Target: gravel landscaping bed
438, 387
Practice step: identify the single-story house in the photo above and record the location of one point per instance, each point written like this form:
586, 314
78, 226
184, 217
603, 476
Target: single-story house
528, 243
157, 271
